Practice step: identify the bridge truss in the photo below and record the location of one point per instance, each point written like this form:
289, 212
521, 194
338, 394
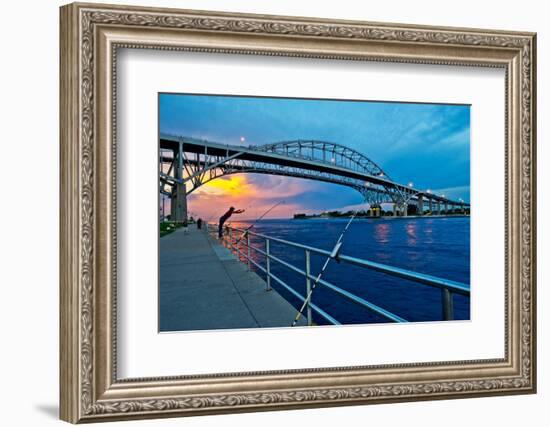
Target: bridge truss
186, 164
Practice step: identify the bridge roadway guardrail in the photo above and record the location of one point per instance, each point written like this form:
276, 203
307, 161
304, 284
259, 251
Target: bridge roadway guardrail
239, 242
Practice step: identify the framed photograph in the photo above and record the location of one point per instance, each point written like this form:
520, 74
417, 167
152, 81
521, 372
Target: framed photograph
266, 212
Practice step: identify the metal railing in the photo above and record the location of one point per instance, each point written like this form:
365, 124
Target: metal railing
238, 240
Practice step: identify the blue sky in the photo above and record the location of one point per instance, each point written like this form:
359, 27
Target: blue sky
427, 144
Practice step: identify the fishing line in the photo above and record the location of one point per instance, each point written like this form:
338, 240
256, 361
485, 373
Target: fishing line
217, 215
333, 255
259, 218
247, 208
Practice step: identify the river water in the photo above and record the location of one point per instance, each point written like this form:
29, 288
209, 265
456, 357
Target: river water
435, 246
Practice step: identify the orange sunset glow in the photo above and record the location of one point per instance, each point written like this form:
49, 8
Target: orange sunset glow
233, 185
213, 198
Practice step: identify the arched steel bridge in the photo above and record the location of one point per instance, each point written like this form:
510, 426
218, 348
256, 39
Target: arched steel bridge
187, 163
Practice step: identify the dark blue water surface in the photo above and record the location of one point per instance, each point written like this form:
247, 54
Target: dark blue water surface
435, 246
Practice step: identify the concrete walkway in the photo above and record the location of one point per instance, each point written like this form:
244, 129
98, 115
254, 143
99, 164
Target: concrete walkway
204, 286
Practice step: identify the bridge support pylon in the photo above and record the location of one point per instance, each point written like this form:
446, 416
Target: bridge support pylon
178, 203
420, 206
178, 200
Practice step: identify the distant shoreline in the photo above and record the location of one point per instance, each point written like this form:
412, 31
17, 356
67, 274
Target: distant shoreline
379, 217
360, 218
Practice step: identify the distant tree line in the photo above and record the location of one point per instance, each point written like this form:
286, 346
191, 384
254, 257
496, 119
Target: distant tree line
378, 212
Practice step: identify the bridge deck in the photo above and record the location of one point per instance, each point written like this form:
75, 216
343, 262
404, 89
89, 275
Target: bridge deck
199, 147
204, 286
247, 153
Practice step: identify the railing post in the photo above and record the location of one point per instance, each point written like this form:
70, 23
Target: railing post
248, 247
448, 309
268, 265
308, 287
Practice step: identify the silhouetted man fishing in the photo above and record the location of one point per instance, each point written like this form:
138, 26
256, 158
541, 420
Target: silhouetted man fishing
225, 217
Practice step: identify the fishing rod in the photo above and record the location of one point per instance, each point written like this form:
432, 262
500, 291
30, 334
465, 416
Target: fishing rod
333, 255
247, 208
257, 219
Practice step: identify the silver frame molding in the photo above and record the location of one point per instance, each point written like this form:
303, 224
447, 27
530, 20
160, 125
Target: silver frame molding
90, 37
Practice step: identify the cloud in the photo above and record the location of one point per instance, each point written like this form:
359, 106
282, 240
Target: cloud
454, 192
427, 144
454, 141
254, 193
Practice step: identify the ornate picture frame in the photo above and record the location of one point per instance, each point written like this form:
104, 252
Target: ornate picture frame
90, 37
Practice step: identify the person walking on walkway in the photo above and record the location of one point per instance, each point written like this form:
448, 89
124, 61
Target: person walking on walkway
225, 217
185, 229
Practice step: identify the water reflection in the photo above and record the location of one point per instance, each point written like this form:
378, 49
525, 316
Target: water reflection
428, 232
410, 228
381, 232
